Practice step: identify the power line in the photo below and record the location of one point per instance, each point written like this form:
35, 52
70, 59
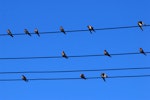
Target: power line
60, 79
73, 56
71, 71
98, 29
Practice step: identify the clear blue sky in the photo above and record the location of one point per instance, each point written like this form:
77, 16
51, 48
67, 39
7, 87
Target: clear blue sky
49, 15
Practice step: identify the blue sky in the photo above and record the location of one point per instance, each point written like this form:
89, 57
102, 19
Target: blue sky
49, 15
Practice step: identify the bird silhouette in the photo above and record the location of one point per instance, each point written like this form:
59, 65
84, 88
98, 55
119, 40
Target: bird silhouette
64, 55
36, 32
140, 24
142, 51
27, 32
82, 76
24, 78
104, 76
9, 33
62, 30
106, 53
91, 28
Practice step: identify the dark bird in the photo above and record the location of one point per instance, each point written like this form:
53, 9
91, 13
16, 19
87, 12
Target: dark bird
106, 53
103, 76
91, 28
140, 24
62, 30
27, 32
9, 33
24, 78
36, 31
64, 55
82, 76
142, 51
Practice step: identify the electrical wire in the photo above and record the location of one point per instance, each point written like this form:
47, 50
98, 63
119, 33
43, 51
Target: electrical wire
60, 79
98, 29
73, 71
73, 56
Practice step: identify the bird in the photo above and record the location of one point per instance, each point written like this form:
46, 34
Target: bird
36, 31
64, 55
82, 76
24, 78
140, 24
103, 76
106, 53
27, 32
142, 51
9, 33
91, 28
62, 30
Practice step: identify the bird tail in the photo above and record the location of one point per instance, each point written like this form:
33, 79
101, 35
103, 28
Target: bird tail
90, 31
104, 79
29, 34
144, 53
64, 32
109, 55
26, 80
141, 28
66, 57
38, 34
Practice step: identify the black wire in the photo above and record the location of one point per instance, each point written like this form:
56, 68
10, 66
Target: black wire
71, 71
131, 76
112, 28
48, 79
74, 56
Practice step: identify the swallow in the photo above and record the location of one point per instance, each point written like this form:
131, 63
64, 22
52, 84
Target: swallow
62, 30
91, 28
27, 32
64, 55
24, 78
36, 32
142, 51
9, 33
82, 76
140, 24
106, 53
103, 76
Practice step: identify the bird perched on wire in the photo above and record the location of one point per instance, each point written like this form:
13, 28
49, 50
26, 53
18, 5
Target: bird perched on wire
106, 53
24, 78
27, 32
9, 33
62, 30
104, 76
64, 55
82, 76
140, 24
36, 32
142, 51
91, 28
